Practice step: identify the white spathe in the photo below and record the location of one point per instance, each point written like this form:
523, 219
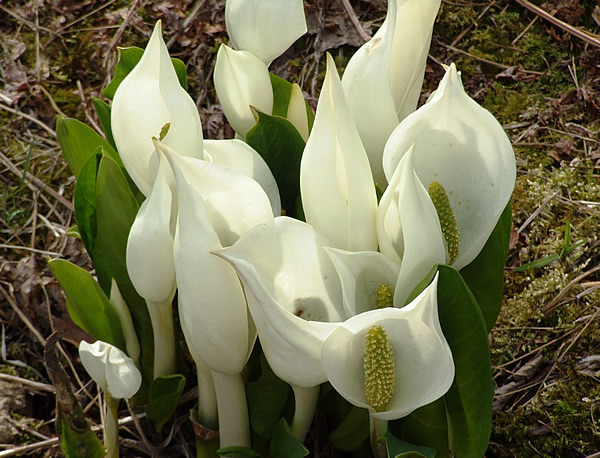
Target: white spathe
149, 254
338, 193
110, 368
293, 293
242, 158
409, 229
149, 98
462, 146
424, 369
216, 205
383, 78
241, 81
266, 28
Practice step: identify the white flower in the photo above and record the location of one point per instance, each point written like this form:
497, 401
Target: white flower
266, 28
242, 80
147, 101
110, 368
415, 369
383, 78
338, 193
462, 147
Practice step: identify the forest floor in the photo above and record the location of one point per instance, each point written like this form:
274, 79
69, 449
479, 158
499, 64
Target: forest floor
536, 70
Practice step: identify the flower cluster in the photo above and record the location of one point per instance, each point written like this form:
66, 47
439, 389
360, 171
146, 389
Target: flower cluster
344, 293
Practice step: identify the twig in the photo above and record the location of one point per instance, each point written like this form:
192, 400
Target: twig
37, 386
23, 317
29, 118
581, 34
553, 304
34, 183
117, 36
352, 15
536, 212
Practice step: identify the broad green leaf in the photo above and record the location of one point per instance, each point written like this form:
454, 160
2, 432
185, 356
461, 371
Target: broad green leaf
79, 141
399, 449
352, 432
427, 425
116, 208
282, 92
267, 398
485, 275
238, 451
87, 304
281, 146
128, 59
76, 444
85, 201
469, 400
103, 111
163, 398
284, 444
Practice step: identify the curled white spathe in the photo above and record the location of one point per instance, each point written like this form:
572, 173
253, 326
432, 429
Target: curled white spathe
266, 28
241, 81
148, 99
462, 146
110, 368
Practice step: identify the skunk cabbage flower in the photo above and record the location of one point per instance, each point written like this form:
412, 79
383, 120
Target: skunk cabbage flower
242, 158
383, 78
242, 80
150, 264
131, 339
418, 246
149, 253
266, 28
148, 102
293, 294
464, 157
338, 193
110, 368
391, 361
216, 206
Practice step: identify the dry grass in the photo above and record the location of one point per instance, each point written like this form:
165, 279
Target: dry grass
538, 71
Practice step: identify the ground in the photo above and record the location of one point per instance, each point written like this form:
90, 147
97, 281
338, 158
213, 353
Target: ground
536, 70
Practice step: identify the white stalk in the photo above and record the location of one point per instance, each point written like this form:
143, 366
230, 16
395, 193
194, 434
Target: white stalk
111, 426
234, 424
306, 403
378, 430
161, 317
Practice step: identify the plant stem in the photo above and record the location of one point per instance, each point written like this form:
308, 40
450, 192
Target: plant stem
111, 426
378, 430
234, 425
305, 405
207, 398
161, 316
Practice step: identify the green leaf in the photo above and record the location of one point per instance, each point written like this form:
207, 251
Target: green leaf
237, 450
282, 92
79, 141
103, 111
87, 304
281, 146
398, 448
116, 209
76, 444
542, 262
85, 201
128, 59
485, 275
284, 444
469, 400
73, 231
427, 425
163, 398
352, 432
267, 398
